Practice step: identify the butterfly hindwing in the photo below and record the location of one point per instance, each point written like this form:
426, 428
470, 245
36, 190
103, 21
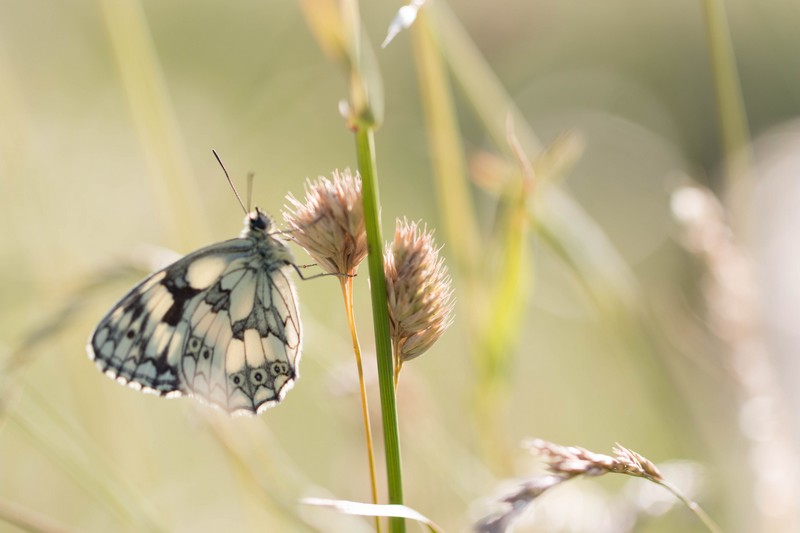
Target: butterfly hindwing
220, 324
243, 350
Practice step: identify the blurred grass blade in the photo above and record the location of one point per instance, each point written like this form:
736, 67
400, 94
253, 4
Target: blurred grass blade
510, 283
603, 273
495, 293
731, 113
559, 157
141, 261
61, 318
21, 179
366, 85
510, 280
75, 454
560, 217
171, 175
476, 78
446, 146
28, 519
337, 28
567, 227
325, 22
492, 172
260, 462
368, 509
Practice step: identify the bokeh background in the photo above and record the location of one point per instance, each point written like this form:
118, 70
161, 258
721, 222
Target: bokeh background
677, 338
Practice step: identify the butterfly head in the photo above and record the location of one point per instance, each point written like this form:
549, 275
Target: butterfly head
257, 220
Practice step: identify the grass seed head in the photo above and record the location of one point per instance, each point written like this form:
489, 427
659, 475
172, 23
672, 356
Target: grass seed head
330, 224
419, 290
574, 461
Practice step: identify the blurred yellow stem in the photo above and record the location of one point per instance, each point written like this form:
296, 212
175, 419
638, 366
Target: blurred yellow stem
171, 177
347, 294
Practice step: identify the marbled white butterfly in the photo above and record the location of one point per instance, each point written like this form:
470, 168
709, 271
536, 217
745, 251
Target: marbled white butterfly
221, 324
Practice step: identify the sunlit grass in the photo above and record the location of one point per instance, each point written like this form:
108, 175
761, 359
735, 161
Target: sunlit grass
567, 327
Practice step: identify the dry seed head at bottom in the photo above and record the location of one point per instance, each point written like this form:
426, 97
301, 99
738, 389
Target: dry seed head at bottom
419, 290
330, 224
574, 460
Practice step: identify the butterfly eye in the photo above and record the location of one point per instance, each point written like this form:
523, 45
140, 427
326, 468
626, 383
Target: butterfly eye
258, 377
237, 380
206, 353
258, 220
131, 332
194, 344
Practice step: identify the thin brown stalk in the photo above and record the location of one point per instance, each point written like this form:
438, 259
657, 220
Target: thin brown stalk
692, 505
347, 293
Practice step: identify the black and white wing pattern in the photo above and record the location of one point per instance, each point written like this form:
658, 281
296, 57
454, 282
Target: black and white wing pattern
220, 324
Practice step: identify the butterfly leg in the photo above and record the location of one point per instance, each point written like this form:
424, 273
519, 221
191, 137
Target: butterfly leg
304, 278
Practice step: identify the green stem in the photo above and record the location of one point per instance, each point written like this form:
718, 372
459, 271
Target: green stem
365, 147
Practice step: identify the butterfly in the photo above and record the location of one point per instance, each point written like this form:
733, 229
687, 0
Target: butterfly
220, 324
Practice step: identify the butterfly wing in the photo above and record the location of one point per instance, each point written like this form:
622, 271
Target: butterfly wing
244, 344
220, 324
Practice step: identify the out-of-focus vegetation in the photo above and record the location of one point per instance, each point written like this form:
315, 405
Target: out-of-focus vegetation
594, 303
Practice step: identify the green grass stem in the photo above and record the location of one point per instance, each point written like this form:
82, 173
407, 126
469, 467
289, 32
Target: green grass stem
365, 147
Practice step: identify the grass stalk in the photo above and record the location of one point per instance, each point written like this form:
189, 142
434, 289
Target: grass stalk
347, 294
733, 128
693, 506
365, 148
494, 331
447, 153
364, 110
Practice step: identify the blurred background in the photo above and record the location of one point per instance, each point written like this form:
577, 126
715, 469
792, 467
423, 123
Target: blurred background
630, 305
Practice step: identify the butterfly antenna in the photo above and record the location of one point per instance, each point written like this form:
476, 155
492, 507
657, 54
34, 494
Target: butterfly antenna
250, 177
230, 182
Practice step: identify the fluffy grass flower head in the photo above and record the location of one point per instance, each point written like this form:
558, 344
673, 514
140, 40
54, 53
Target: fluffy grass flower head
419, 290
330, 224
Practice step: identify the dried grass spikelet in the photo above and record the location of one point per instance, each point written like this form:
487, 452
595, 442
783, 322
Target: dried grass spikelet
419, 291
330, 224
574, 461
568, 462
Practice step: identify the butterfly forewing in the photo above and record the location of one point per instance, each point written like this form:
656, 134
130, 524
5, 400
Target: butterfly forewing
220, 324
